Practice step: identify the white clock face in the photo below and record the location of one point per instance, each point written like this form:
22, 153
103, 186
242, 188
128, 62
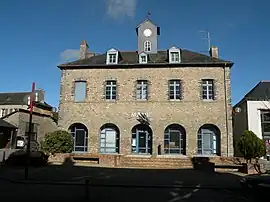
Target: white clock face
147, 32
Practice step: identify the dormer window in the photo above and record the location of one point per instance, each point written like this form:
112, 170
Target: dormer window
174, 55
112, 56
147, 46
143, 58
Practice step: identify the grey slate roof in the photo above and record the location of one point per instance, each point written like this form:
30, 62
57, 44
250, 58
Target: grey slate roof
14, 98
261, 92
160, 58
20, 98
4, 124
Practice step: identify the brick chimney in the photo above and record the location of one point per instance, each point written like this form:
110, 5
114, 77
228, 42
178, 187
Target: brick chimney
214, 52
84, 50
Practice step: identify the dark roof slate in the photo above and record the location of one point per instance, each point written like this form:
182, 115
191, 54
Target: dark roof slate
14, 98
261, 92
4, 124
161, 57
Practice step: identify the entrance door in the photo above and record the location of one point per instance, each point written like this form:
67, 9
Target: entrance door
141, 142
110, 142
142, 139
80, 140
208, 142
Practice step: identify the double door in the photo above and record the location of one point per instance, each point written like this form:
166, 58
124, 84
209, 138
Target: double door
80, 140
208, 142
142, 142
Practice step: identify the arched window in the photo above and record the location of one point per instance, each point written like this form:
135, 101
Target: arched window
109, 138
80, 134
147, 46
175, 139
208, 140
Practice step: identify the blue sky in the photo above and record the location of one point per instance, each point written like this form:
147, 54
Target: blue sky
37, 35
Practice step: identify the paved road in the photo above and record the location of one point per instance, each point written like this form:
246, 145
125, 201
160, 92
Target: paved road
173, 179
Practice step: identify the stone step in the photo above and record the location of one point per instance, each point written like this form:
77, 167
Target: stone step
157, 166
157, 159
157, 162
152, 162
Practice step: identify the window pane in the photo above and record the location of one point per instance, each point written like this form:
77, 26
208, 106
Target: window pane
112, 58
266, 127
205, 97
207, 89
266, 116
174, 56
171, 88
175, 137
110, 90
141, 90
80, 90
147, 46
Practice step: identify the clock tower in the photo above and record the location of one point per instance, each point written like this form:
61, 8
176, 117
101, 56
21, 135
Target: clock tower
147, 33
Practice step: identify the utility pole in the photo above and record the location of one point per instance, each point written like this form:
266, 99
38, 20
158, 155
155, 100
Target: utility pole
32, 101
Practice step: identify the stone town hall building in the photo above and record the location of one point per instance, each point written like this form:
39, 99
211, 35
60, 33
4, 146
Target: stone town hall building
147, 101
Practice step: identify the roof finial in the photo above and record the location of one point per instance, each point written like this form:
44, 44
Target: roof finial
148, 15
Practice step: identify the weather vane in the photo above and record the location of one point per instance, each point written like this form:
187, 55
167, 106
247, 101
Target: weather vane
148, 15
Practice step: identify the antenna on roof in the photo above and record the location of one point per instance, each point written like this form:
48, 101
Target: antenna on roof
207, 37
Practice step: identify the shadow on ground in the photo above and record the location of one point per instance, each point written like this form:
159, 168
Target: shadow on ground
66, 182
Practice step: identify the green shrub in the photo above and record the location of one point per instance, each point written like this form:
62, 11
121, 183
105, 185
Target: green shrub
251, 146
57, 142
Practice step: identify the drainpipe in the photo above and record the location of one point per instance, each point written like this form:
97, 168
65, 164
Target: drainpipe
226, 109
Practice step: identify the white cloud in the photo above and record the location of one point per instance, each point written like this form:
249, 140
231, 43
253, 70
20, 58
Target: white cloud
117, 9
70, 54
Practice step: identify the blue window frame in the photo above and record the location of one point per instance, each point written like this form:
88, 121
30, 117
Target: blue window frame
208, 140
109, 141
79, 133
80, 91
175, 140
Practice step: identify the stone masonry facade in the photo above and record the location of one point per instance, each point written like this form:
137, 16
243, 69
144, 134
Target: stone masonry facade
191, 111
44, 123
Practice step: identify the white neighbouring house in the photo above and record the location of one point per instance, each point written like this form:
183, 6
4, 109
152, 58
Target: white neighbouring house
253, 113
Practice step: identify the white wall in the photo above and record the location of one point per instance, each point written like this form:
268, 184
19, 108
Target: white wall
254, 115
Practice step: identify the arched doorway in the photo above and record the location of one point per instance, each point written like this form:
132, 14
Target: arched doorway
80, 134
175, 139
141, 140
208, 140
109, 138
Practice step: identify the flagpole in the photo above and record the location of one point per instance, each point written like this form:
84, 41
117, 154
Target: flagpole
32, 100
